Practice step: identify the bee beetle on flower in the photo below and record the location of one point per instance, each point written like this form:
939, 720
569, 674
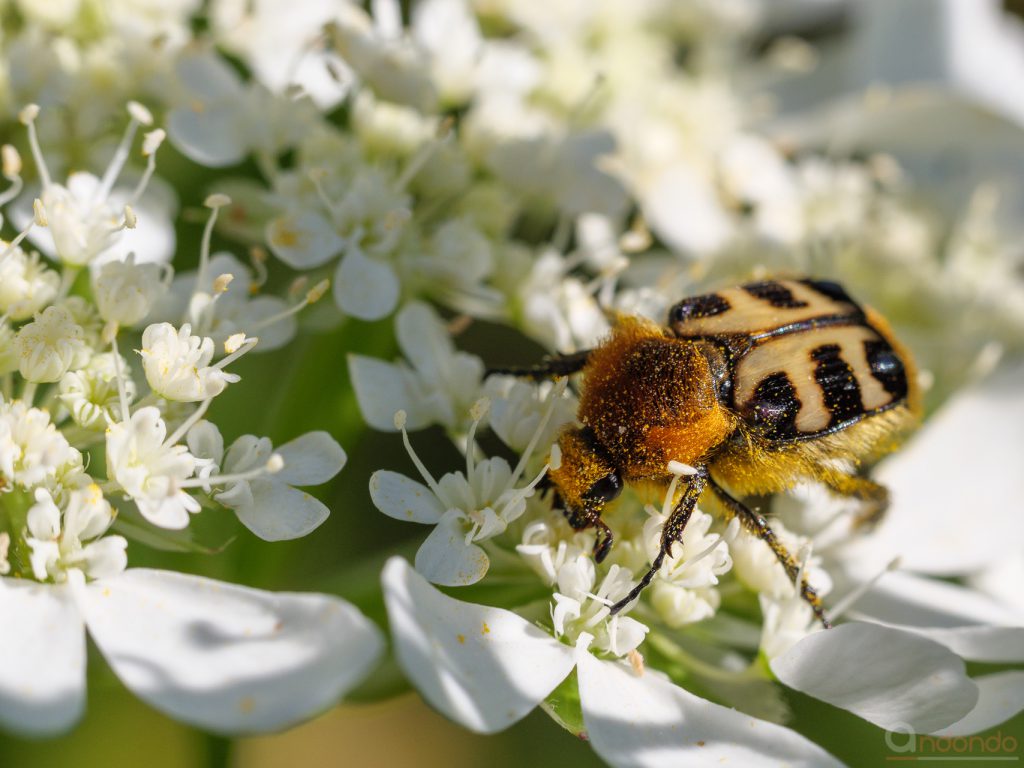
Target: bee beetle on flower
747, 391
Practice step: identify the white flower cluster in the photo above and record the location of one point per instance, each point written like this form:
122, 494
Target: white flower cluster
72, 392
545, 166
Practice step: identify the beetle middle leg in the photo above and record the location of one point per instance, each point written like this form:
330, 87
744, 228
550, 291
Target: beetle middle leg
670, 534
589, 518
757, 525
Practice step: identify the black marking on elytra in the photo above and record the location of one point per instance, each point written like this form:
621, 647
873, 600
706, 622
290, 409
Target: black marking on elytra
838, 384
831, 289
887, 367
774, 407
697, 307
775, 294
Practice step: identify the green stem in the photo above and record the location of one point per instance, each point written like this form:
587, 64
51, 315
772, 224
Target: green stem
672, 651
218, 750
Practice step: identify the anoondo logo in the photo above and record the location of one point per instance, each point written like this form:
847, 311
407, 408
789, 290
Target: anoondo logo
908, 745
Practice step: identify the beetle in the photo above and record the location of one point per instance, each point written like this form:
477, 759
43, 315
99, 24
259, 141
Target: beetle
752, 389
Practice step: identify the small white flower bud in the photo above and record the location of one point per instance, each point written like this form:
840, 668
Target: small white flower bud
11, 161
217, 200
681, 469
317, 291
27, 285
152, 140
28, 113
221, 282
139, 113
555, 462
480, 408
126, 292
50, 346
234, 342
39, 213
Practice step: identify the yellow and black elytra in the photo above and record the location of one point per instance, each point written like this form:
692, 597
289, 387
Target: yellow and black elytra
757, 388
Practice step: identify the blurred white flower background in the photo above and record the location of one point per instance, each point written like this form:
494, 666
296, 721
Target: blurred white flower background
257, 259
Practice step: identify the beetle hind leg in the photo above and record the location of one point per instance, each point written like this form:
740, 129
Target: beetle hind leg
757, 525
874, 496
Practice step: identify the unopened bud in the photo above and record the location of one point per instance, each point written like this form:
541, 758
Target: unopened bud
39, 213
28, 113
11, 161
234, 343
217, 200
555, 462
317, 291
139, 113
221, 282
681, 469
480, 408
152, 140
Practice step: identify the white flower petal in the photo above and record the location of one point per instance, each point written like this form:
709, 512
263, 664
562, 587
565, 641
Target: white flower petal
1001, 697
381, 391
365, 288
205, 441
310, 459
903, 598
925, 523
445, 558
42, 644
208, 136
227, 658
985, 643
403, 498
891, 678
279, 512
483, 667
424, 340
685, 212
303, 240
648, 721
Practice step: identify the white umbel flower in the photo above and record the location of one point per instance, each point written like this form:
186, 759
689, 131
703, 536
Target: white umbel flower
177, 364
580, 608
267, 503
149, 470
50, 346
32, 450
74, 540
91, 393
487, 667
126, 292
26, 284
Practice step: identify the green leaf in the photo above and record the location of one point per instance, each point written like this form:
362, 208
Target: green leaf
563, 706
